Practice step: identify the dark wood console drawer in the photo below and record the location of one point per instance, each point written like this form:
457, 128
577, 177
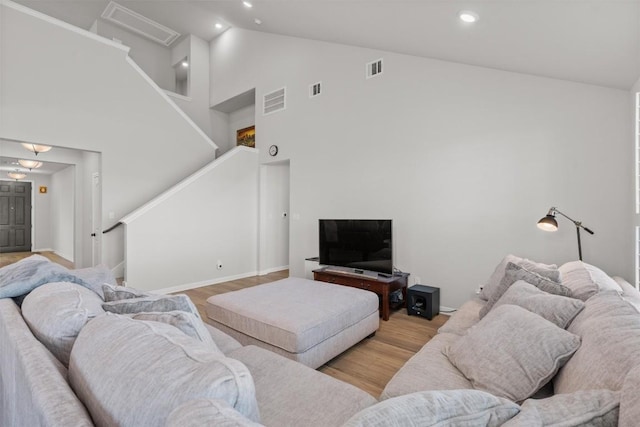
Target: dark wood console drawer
354, 282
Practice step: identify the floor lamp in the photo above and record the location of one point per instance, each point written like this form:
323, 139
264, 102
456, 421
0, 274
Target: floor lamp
549, 223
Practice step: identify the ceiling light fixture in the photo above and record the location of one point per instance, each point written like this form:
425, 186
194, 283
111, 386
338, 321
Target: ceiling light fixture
257, 21
185, 64
36, 148
30, 164
17, 175
247, 4
219, 26
468, 16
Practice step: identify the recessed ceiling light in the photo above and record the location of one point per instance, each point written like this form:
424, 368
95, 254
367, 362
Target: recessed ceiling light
185, 64
468, 16
257, 21
219, 26
247, 4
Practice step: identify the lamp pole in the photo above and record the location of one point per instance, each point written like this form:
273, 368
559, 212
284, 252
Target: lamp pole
578, 225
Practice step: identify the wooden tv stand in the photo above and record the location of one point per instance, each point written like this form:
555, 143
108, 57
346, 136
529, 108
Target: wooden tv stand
383, 286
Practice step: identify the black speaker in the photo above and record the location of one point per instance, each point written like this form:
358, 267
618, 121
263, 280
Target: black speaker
423, 301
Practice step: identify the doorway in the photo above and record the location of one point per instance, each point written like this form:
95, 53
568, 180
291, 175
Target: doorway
15, 216
274, 217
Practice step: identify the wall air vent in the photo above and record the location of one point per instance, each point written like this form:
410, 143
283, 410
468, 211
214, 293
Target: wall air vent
139, 24
274, 101
374, 68
314, 89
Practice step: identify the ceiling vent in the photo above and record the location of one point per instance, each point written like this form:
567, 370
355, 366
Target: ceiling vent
274, 101
315, 89
374, 68
139, 24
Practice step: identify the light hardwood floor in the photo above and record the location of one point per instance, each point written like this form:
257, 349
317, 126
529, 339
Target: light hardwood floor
368, 365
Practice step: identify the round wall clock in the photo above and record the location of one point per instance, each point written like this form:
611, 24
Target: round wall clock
273, 150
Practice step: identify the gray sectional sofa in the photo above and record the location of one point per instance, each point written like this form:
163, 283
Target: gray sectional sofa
580, 364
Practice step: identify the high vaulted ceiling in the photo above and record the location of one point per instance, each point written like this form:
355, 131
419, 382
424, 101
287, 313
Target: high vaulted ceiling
589, 41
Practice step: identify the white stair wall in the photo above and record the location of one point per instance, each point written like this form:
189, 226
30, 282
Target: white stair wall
175, 241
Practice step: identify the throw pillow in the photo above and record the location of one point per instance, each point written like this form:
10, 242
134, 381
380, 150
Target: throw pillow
186, 322
585, 280
593, 408
630, 400
115, 293
57, 312
27, 274
94, 277
208, 412
152, 303
437, 408
135, 373
549, 271
555, 308
513, 273
512, 352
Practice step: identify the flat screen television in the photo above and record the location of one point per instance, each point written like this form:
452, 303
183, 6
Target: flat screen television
360, 244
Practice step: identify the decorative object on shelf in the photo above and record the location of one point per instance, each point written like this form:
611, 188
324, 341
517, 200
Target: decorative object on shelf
246, 137
43, 189
30, 164
17, 175
549, 223
36, 148
273, 150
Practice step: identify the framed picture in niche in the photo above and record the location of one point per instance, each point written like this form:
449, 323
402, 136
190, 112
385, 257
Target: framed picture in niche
246, 137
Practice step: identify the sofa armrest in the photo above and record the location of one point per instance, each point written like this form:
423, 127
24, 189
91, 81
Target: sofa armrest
225, 342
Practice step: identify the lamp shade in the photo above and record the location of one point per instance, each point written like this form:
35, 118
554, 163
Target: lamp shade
30, 164
17, 175
36, 148
548, 223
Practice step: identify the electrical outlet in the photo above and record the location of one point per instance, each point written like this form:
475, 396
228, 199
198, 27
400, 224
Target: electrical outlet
219, 265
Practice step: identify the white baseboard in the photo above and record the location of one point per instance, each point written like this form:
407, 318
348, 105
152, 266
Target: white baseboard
447, 311
272, 270
202, 283
42, 250
65, 256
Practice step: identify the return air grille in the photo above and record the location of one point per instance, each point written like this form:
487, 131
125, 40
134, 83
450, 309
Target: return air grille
374, 68
139, 24
274, 101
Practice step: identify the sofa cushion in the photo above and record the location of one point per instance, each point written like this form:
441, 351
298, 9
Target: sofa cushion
428, 369
610, 330
513, 273
630, 400
437, 408
512, 352
557, 309
27, 274
226, 343
594, 408
465, 317
586, 280
132, 372
208, 412
292, 394
57, 312
186, 322
549, 271
159, 303
94, 277
113, 292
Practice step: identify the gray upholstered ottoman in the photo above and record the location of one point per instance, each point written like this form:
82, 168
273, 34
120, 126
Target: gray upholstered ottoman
304, 320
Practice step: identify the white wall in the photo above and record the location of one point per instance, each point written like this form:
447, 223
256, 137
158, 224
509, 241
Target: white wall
92, 98
62, 193
42, 236
152, 57
175, 243
274, 225
464, 159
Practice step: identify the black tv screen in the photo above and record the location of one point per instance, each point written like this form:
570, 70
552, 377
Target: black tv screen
361, 244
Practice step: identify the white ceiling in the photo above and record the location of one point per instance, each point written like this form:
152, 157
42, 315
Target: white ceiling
589, 41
